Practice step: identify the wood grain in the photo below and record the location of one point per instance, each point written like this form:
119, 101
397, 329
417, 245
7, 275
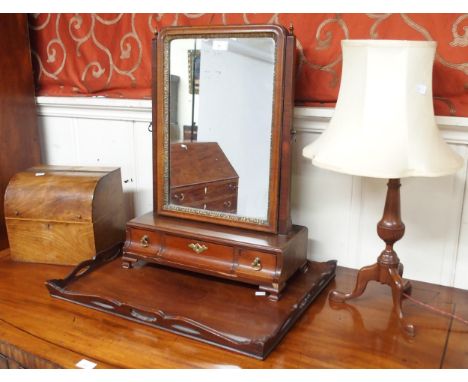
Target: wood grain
226, 314
362, 334
284, 207
456, 354
198, 162
50, 241
3, 362
32, 351
227, 254
64, 215
19, 140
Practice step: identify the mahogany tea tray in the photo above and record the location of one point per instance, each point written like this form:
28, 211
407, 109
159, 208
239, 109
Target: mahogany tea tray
216, 311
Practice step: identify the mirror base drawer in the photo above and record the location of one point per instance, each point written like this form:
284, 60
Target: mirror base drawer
262, 259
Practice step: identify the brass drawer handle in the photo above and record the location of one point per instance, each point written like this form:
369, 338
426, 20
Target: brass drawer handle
144, 241
256, 264
198, 248
180, 197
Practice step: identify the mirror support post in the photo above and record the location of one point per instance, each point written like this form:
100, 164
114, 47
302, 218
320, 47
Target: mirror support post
284, 213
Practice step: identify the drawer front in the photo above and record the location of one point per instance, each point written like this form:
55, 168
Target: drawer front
228, 204
198, 254
185, 196
256, 266
140, 241
200, 194
221, 190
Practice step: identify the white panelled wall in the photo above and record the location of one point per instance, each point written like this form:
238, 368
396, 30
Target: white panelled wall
341, 211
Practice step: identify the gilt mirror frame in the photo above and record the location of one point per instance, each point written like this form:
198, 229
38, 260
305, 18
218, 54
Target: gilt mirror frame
278, 214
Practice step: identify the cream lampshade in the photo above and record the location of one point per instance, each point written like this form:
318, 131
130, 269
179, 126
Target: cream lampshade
384, 127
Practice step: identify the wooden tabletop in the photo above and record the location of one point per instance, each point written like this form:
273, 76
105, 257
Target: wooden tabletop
37, 330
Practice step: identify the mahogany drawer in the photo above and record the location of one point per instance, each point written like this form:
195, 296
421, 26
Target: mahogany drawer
256, 265
203, 192
140, 241
228, 204
198, 254
183, 196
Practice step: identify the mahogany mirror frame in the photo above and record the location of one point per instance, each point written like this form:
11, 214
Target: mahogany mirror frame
278, 216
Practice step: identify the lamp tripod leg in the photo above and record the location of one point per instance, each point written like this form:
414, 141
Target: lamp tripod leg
398, 288
406, 284
365, 274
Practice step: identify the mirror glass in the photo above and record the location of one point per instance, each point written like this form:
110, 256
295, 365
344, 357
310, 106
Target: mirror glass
220, 124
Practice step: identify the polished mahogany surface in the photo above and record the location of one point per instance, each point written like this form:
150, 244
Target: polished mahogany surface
19, 135
361, 334
232, 315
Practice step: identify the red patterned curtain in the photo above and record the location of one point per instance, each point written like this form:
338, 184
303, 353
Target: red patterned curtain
110, 54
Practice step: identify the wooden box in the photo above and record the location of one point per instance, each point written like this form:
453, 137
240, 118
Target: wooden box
64, 215
202, 177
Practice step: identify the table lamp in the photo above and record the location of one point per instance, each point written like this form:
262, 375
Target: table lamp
384, 127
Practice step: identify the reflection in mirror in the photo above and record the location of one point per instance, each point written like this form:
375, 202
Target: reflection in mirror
220, 114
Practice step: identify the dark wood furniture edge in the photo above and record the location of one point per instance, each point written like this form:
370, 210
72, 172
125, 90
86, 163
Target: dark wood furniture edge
20, 355
28, 360
179, 324
85, 267
109, 341
154, 114
284, 208
19, 144
22, 349
188, 231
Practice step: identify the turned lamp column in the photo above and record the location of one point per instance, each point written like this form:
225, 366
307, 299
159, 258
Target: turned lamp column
388, 269
384, 127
